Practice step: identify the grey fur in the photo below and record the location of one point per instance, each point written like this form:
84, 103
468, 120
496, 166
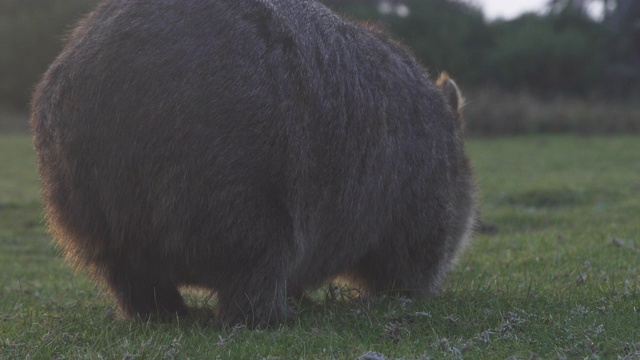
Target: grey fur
254, 147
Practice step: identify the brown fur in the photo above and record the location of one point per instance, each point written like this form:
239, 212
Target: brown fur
257, 148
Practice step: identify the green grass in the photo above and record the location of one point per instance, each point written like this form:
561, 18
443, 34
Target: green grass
559, 279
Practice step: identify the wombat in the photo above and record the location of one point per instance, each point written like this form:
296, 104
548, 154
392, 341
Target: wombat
257, 148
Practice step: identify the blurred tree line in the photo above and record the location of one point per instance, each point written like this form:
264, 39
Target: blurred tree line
31, 36
561, 51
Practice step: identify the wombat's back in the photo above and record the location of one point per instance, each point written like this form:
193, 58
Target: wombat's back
250, 146
151, 108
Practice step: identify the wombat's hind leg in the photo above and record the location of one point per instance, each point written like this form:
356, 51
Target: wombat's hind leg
254, 289
259, 302
143, 293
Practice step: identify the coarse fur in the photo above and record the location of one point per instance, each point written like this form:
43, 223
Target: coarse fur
254, 147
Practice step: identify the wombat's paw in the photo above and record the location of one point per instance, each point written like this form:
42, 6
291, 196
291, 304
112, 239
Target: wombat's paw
290, 315
155, 305
206, 314
157, 315
303, 300
256, 319
154, 316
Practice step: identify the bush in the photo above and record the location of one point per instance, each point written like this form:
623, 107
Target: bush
548, 54
561, 52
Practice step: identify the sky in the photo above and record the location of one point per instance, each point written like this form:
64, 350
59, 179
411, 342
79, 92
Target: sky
509, 9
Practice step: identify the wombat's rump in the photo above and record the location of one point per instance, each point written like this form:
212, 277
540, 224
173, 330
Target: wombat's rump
253, 147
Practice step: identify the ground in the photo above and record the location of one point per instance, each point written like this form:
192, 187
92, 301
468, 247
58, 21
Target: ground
559, 278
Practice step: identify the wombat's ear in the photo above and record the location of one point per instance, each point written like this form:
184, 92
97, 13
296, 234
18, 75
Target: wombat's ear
450, 91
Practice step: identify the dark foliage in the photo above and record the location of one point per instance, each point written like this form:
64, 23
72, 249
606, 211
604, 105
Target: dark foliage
548, 54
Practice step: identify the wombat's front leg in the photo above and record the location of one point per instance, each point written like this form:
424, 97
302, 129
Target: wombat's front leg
404, 264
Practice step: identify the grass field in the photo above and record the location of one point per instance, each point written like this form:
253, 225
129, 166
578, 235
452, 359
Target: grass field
559, 279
